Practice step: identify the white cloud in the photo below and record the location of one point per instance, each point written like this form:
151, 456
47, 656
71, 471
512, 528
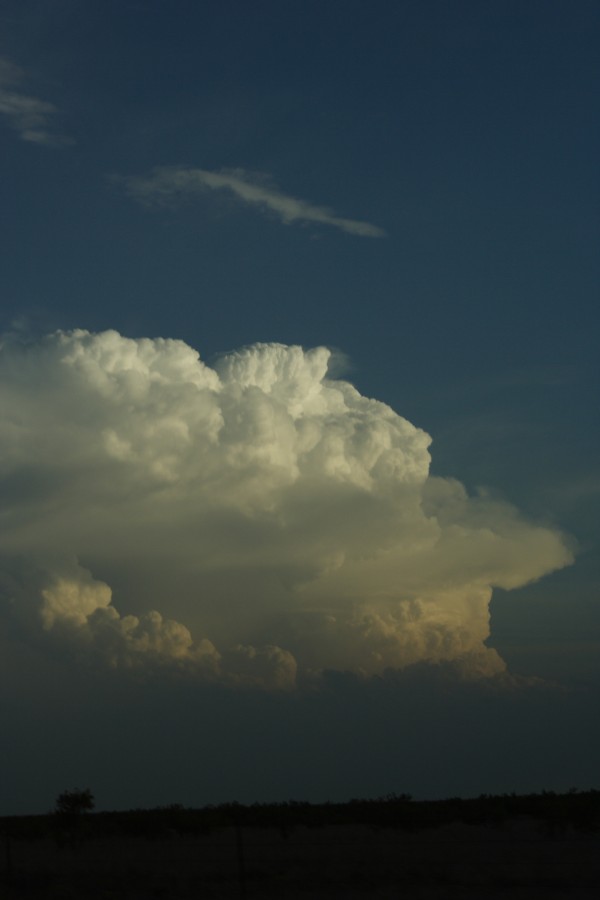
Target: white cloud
31, 117
167, 183
288, 521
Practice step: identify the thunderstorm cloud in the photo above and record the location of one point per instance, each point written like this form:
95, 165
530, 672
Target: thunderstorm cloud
253, 523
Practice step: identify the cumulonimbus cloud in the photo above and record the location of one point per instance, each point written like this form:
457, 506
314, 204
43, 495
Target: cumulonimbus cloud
31, 117
252, 523
166, 183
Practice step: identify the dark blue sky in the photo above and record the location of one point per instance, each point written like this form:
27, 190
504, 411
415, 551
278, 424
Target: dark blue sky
467, 131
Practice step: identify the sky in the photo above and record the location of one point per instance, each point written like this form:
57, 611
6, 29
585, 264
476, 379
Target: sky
299, 399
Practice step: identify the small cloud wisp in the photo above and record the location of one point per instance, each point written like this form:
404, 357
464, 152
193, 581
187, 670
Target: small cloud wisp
166, 183
29, 116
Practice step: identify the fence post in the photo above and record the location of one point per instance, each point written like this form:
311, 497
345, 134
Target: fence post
8, 857
239, 843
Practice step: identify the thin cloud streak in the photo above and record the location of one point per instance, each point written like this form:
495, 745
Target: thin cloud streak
166, 183
27, 115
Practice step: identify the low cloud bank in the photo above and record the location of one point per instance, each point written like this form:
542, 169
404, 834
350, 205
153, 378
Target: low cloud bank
254, 523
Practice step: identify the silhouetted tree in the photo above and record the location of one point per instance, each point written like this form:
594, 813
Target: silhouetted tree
75, 802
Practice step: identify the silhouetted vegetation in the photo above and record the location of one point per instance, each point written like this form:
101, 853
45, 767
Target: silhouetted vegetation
539, 844
579, 810
74, 803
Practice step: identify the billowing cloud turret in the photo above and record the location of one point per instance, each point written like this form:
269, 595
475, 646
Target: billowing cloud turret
288, 521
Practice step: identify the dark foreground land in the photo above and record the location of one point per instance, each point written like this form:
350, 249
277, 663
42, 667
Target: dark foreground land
541, 846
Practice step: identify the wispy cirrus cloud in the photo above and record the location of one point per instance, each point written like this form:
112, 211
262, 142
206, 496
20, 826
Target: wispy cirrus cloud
31, 117
166, 183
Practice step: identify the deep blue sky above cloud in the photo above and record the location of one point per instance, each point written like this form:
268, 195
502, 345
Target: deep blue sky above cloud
467, 134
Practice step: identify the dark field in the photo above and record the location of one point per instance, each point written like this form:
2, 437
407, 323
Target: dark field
455, 849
